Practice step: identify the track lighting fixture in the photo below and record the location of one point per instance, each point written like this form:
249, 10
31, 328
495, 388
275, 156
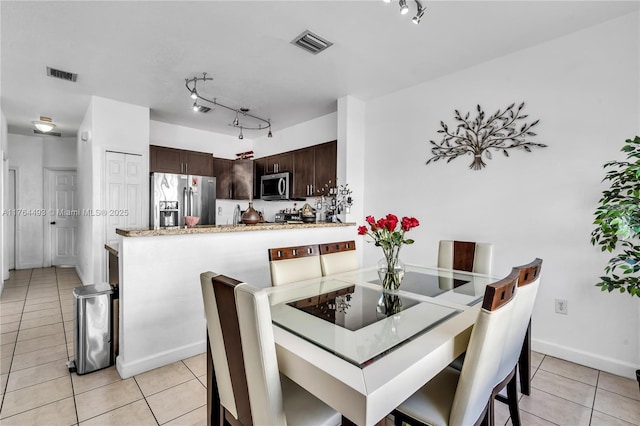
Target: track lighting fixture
404, 9
259, 122
416, 19
45, 124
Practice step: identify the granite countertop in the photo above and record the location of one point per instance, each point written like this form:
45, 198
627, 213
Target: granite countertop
214, 229
112, 248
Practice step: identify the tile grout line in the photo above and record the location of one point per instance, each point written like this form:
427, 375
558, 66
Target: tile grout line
24, 302
64, 332
145, 400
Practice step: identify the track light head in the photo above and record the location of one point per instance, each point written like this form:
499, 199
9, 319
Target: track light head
195, 107
194, 94
240, 136
269, 135
404, 9
416, 19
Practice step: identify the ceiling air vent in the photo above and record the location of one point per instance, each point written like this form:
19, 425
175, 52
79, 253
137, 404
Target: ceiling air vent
63, 75
311, 42
38, 132
203, 109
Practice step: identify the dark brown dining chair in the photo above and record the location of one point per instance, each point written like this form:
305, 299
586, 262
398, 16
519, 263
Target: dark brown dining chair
251, 389
291, 264
338, 257
464, 397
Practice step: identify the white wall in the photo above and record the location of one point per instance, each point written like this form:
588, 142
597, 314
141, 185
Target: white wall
111, 126
4, 172
29, 155
174, 136
312, 132
584, 89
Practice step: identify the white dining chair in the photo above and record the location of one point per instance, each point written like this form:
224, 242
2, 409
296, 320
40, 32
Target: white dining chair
275, 400
291, 264
528, 284
464, 397
239, 356
466, 256
338, 257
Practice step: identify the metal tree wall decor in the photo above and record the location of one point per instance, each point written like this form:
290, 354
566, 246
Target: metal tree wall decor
501, 131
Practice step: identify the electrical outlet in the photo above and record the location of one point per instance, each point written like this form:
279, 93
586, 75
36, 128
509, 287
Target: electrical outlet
219, 209
561, 306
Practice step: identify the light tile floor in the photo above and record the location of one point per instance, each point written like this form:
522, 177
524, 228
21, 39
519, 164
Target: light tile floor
36, 388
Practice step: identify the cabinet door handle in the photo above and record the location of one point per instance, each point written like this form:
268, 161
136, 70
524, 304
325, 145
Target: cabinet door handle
186, 168
311, 193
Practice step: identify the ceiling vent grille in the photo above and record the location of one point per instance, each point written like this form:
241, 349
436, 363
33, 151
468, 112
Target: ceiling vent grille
63, 75
203, 109
311, 42
38, 132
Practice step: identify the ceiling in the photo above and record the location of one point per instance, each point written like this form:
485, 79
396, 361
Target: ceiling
141, 52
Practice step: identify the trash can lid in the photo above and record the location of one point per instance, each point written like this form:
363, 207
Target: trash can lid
91, 290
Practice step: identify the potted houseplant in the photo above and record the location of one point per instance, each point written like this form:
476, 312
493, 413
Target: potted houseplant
618, 224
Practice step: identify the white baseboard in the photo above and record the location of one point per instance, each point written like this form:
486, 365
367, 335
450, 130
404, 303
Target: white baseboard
82, 278
610, 365
129, 369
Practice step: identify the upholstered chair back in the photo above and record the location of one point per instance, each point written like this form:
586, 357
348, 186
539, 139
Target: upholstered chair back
338, 257
261, 364
528, 283
466, 256
480, 368
227, 362
291, 264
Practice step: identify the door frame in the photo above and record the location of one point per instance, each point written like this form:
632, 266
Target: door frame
15, 217
48, 192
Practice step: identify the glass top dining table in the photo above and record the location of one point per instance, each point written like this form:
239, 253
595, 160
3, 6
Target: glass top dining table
363, 351
350, 316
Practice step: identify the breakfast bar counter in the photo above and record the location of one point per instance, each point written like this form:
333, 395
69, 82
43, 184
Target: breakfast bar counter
161, 310
213, 229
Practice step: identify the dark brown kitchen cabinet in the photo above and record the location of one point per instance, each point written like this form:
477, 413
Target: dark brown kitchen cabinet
279, 163
325, 166
303, 173
234, 178
259, 169
242, 171
172, 160
314, 170
224, 179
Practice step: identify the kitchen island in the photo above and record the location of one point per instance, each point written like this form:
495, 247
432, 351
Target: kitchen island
161, 311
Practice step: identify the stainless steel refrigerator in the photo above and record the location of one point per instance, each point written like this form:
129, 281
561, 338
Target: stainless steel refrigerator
174, 196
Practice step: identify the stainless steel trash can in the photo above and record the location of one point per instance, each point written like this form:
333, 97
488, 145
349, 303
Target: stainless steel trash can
92, 311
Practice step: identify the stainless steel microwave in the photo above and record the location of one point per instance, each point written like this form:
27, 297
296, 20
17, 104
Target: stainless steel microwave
276, 186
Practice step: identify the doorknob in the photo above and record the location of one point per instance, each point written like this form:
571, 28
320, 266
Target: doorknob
52, 223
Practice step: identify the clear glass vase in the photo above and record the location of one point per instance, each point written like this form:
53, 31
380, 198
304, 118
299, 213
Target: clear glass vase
388, 305
391, 270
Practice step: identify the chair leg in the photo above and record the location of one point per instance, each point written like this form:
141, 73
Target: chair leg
524, 363
512, 400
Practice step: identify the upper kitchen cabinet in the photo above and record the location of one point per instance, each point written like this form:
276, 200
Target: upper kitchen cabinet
224, 180
234, 178
314, 167
279, 163
325, 166
172, 160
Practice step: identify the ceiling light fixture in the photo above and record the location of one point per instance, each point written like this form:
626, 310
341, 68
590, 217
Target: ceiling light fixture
259, 123
404, 9
45, 124
416, 19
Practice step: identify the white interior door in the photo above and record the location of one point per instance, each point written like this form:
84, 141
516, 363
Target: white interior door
63, 218
125, 184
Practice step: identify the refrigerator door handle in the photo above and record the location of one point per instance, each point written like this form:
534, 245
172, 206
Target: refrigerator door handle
185, 201
191, 212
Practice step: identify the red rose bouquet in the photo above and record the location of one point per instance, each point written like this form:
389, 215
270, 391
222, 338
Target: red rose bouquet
387, 235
